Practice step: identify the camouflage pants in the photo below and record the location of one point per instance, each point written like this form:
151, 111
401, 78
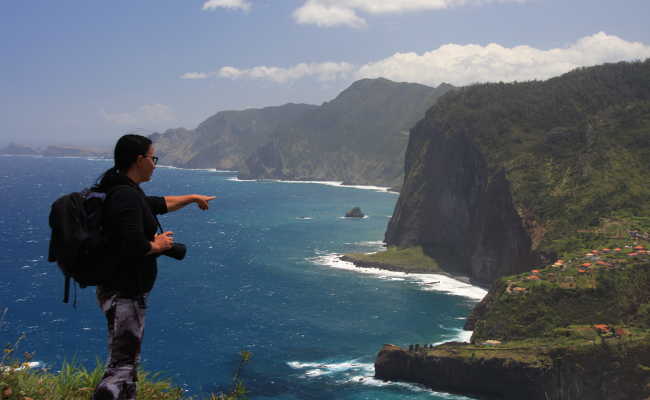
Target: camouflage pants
125, 319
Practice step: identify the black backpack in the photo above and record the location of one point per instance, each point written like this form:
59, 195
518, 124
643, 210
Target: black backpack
79, 243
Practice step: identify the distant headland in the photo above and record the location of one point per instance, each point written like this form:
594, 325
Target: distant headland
54, 151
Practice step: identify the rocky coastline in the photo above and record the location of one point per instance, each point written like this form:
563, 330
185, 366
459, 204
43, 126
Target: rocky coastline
575, 329
609, 370
414, 270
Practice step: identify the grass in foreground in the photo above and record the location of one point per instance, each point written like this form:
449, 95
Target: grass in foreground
75, 382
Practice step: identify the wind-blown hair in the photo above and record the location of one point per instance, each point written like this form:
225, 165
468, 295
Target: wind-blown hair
127, 150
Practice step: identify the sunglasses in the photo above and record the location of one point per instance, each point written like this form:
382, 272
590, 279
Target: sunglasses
153, 158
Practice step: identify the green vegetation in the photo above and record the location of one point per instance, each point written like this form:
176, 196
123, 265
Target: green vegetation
358, 137
603, 286
576, 148
580, 325
540, 352
575, 151
411, 259
75, 382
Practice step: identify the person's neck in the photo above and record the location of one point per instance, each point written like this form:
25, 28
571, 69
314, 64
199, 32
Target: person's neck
134, 176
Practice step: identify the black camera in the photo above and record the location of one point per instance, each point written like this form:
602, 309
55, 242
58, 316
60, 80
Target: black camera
177, 251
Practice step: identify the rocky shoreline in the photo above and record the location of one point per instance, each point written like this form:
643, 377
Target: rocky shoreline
598, 371
576, 329
389, 267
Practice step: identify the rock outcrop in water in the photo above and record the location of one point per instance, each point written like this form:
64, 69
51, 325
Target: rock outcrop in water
355, 212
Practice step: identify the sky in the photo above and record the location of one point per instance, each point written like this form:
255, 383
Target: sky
84, 72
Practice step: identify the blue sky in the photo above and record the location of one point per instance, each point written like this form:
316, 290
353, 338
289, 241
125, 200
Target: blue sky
85, 72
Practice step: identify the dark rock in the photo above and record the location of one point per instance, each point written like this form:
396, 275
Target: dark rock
355, 213
604, 373
461, 213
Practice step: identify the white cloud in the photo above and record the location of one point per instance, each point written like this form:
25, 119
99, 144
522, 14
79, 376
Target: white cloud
148, 113
457, 64
194, 75
344, 12
466, 64
323, 71
317, 13
231, 4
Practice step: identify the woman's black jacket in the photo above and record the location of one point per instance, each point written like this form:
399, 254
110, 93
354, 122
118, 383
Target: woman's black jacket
129, 220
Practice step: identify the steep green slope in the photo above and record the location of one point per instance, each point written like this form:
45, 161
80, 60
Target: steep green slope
553, 160
359, 137
226, 139
576, 329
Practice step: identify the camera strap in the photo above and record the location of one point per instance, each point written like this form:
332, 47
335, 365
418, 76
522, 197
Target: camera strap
158, 223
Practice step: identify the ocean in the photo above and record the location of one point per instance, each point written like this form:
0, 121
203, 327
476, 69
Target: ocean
261, 274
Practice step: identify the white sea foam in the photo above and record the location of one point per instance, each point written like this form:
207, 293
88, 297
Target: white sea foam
434, 282
26, 365
356, 372
327, 183
371, 243
197, 169
455, 335
235, 179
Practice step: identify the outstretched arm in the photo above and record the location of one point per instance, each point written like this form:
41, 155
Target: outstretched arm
177, 202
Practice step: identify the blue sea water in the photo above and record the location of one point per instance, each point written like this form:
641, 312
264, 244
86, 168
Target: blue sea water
261, 275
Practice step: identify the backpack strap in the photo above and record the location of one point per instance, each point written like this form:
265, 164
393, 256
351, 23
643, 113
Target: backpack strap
66, 290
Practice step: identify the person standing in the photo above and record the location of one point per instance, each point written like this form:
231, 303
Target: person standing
131, 224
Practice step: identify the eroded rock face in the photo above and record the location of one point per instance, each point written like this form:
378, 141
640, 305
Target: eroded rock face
497, 378
601, 373
459, 211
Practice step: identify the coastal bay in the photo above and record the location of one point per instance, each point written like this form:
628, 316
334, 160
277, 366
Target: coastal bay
257, 277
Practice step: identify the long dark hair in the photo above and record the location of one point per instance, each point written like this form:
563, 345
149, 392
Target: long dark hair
127, 150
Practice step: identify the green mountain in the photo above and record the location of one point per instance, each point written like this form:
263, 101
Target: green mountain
499, 177
504, 178
358, 138
224, 140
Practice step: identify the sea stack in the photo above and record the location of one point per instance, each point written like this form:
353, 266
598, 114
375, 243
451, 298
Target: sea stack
355, 213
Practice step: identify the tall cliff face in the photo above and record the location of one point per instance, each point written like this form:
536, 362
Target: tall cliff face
609, 372
496, 172
457, 209
226, 139
359, 137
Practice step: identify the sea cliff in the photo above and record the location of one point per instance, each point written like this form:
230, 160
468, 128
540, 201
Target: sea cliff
501, 177
539, 189
576, 329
